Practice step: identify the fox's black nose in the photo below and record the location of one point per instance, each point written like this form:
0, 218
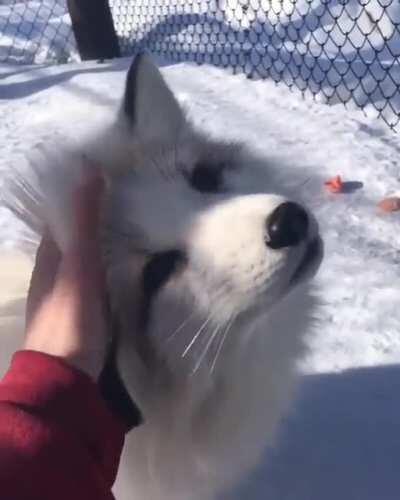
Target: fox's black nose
287, 226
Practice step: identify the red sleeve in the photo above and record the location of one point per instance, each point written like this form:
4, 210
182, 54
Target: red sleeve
58, 440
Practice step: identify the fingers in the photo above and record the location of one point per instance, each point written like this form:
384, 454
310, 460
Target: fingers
43, 275
65, 313
82, 262
88, 198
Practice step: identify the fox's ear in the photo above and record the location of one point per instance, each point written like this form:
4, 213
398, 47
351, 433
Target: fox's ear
149, 105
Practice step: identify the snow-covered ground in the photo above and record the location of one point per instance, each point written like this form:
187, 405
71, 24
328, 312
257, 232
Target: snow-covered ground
343, 439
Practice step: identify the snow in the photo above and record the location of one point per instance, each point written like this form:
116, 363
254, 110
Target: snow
342, 440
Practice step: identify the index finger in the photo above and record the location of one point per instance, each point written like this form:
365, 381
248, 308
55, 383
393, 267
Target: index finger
87, 205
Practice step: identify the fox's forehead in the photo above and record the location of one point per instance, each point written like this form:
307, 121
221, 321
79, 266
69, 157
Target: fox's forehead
120, 152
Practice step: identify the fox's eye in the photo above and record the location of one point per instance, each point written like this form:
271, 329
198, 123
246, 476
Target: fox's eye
206, 178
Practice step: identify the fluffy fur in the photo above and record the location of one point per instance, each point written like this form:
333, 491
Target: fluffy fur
211, 321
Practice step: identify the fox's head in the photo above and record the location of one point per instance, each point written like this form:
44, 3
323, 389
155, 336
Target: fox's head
201, 226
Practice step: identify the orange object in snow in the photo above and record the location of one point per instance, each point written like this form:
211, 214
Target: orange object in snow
391, 204
334, 185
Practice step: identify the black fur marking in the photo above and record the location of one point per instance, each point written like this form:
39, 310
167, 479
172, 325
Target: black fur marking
207, 178
115, 393
158, 270
130, 89
155, 274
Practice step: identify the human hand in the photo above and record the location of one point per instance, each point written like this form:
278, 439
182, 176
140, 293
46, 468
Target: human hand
65, 314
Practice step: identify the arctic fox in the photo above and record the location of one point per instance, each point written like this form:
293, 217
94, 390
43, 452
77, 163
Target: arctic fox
208, 260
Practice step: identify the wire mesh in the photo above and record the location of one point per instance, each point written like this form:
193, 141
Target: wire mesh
35, 32
338, 51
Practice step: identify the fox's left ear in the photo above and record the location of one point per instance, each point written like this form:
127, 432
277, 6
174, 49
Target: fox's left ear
149, 105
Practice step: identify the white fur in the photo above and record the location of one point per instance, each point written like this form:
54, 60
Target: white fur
227, 327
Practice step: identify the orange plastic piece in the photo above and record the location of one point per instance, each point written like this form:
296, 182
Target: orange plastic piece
334, 185
391, 204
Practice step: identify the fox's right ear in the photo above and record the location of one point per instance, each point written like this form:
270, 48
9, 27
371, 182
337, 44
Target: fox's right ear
149, 105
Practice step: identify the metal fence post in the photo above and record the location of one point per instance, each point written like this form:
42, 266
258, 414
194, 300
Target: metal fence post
93, 28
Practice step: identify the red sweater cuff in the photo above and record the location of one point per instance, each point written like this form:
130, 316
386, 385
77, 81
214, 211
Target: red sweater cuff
60, 394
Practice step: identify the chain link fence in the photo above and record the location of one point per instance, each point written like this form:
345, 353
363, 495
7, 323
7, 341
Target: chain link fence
339, 51
35, 32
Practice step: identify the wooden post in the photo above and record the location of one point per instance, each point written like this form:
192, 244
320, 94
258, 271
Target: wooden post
93, 28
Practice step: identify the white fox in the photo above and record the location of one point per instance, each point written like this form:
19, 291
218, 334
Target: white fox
209, 260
